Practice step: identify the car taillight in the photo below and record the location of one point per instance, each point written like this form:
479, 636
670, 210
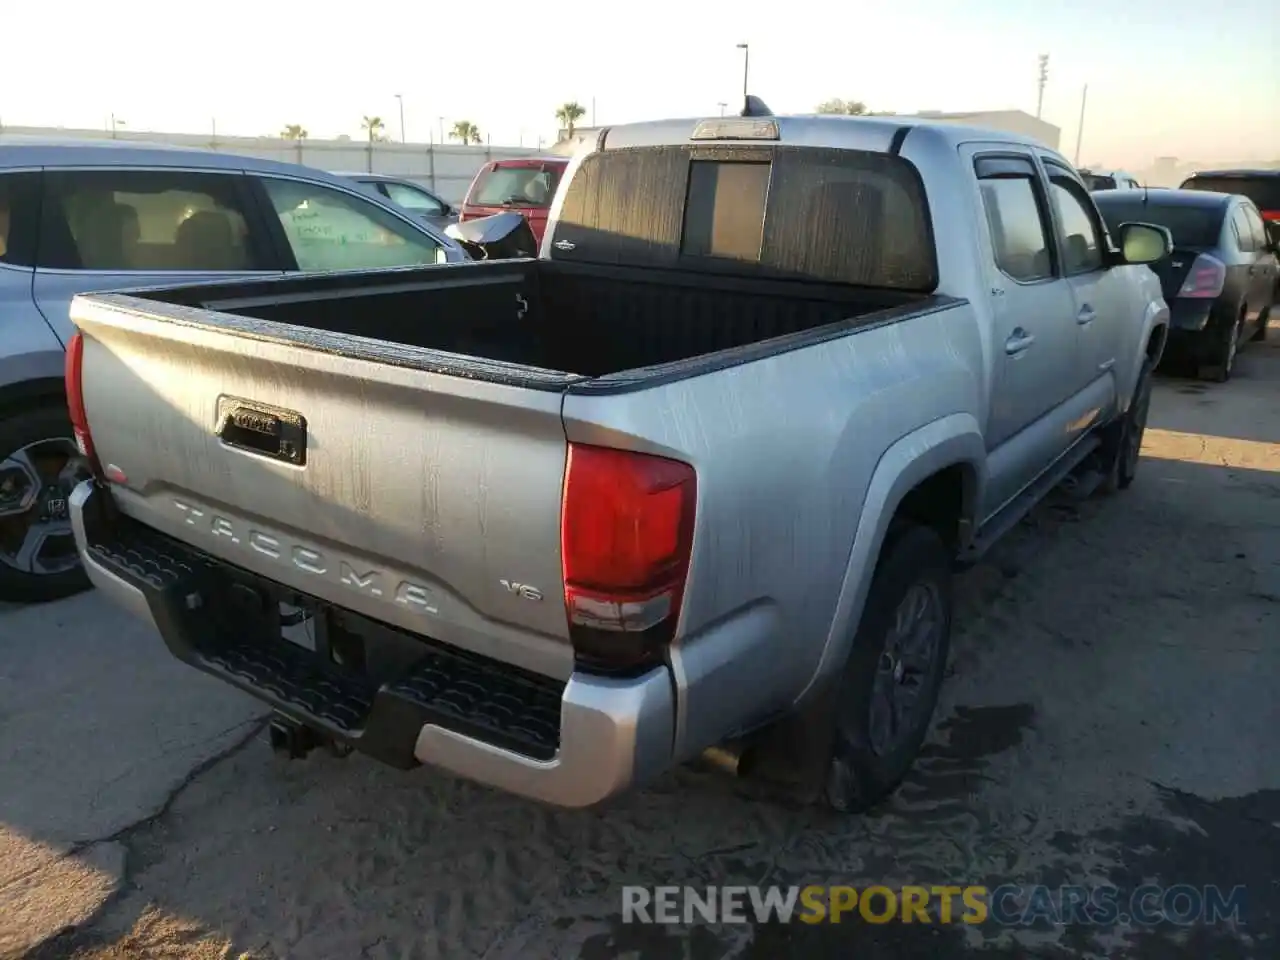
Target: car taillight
1271, 215
1206, 279
626, 536
75, 400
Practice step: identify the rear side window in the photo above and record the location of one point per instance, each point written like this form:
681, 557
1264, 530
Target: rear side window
146, 220
1259, 229
1243, 231
839, 216
515, 186
1263, 191
19, 217
1097, 182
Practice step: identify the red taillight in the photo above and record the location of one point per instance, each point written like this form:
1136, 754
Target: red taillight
1206, 279
75, 400
1270, 215
626, 535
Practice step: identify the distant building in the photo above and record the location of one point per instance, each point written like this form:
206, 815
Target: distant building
1007, 121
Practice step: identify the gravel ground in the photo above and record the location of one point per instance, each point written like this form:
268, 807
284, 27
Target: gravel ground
1110, 718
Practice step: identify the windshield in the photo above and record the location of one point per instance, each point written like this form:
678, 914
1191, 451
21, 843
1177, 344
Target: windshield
515, 186
1190, 226
1263, 191
1096, 181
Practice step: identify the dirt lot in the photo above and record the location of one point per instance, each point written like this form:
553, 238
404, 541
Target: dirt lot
1111, 718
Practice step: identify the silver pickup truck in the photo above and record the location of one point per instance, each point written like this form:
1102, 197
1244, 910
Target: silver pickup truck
695, 478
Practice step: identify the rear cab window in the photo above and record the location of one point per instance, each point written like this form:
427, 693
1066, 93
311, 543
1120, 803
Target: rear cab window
812, 213
523, 185
147, 220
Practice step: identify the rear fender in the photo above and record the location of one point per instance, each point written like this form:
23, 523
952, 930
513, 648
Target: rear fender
951, 440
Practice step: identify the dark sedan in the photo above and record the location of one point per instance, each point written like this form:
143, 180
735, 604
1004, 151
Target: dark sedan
1220, 279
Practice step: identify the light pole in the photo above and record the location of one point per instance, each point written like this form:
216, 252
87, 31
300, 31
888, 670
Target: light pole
1084, 97
400, 98
1041, 80
441, 119
746, 65
115, 123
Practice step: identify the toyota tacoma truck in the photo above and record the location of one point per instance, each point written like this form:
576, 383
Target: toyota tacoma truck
693, 479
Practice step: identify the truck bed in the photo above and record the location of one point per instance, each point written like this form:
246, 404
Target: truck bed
583, 321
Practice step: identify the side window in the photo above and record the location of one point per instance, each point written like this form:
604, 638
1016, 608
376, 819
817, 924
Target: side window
1243, 230
19, 213
1016, 220
419, 201
329, 229
146, 220
1082, 239
1259, 228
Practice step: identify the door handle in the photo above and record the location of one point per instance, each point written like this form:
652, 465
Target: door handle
1086, 315
1018, 342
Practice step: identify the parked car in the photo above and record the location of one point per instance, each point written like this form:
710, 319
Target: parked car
1109, 180
694, 476
1221, 277
1260, 186
526, 185
413, 197
101, 215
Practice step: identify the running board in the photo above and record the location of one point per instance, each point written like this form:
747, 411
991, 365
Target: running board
1021, 505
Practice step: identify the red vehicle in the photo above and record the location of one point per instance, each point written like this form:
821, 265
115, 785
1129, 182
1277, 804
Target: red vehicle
526, 185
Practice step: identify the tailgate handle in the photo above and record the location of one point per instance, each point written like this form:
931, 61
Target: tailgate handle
258, 428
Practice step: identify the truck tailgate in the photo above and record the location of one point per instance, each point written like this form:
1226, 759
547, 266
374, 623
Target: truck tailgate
425, 500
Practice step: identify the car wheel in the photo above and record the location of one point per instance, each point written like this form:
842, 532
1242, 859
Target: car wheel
1224, 360
39, 467
889, 687
1261, 333
1122, 440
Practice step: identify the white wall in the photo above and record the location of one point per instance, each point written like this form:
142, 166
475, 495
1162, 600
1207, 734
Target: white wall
446, 170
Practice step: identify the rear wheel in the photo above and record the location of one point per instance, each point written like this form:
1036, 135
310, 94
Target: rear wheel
1261, 333
1224, 353
889, 688
39, 467
1122, 441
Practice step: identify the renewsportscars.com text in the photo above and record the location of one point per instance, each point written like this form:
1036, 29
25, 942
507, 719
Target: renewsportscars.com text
1005, 905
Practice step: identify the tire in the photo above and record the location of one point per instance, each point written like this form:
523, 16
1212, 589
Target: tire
1224, 354
31, 505
864, 767
1260, 334
1122, 441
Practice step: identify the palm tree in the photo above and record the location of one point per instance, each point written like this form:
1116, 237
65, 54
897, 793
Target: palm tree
464, 131
297, 133
373, 127
851, 108
569, 114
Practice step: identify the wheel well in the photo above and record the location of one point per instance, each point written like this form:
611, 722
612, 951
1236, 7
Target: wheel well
943, 502
18, 396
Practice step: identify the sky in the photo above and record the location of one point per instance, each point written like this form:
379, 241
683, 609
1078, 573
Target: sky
1183, 78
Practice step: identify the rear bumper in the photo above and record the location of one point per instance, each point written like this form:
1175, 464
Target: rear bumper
570, 744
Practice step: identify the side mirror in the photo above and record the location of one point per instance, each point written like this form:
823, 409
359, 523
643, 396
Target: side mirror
1144, 242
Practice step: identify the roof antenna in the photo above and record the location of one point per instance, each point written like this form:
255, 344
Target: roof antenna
753, 106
